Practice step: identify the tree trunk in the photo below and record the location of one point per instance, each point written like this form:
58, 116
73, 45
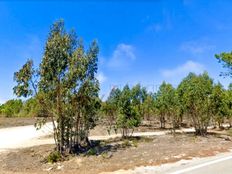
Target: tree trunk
60, 118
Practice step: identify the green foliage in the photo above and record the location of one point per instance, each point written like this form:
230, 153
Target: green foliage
218, 104
167, 104
227, 106
65, 86
128, 117
194, 93
226, 60
91, 152
54, 157
110, 109
11, 108
148, 107
30, 108
138, 95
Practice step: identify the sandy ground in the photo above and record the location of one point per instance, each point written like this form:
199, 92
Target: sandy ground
16, 121
28, 136
24, 150
148, 152
24, 136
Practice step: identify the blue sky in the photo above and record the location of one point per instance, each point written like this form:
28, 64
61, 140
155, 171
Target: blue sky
141, 41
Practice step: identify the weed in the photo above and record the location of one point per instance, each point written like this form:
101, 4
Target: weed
54, 157
91, 151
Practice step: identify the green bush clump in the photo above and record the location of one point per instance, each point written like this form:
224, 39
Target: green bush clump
91, 151
54, 157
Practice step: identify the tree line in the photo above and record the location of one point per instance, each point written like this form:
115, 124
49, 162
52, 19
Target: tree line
196, 99
19, 108
64, 88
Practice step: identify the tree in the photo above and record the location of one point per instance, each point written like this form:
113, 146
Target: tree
167, 104
30, 108
148, 107
64, 85
11, 108
226, 60
194, 92
110, 109
139, 95
228, 101
128, 117
218, 104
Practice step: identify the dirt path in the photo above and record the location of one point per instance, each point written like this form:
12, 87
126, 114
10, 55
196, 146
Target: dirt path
24, 136
28, 136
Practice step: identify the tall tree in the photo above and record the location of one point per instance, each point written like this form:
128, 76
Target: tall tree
139, 95
167, 104
128, 117
228, 100
65, 86
218, 104
148, 107
194, 92
110, 109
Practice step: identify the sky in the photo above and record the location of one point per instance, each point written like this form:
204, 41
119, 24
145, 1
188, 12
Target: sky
143, 42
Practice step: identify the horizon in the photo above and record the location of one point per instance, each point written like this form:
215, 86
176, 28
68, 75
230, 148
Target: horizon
164, 41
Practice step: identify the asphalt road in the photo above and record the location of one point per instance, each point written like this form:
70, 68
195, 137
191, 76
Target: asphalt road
219, 164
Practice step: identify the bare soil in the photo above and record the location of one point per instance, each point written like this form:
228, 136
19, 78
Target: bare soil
116, 154
16, 121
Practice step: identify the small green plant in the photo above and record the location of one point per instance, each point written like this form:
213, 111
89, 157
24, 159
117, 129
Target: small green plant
54, 157
91, 151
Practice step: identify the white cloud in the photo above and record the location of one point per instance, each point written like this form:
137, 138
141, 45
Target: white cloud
101, 77
122, 56
196, 47
183, 70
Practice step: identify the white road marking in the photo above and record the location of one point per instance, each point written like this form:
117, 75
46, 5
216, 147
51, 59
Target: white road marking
202, 165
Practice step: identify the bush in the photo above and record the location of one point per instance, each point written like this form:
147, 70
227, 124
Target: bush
54, 157
11, 108
91, 151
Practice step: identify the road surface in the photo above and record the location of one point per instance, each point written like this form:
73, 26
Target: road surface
219, 164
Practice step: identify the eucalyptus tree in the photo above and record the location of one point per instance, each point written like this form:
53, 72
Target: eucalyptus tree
194, 92
64, 85
218, 102
167, 104
139, 95
148, 107
225, 58
228, 100
110, 109
128, 117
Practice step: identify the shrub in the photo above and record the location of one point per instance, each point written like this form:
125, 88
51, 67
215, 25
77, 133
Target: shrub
54, 157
